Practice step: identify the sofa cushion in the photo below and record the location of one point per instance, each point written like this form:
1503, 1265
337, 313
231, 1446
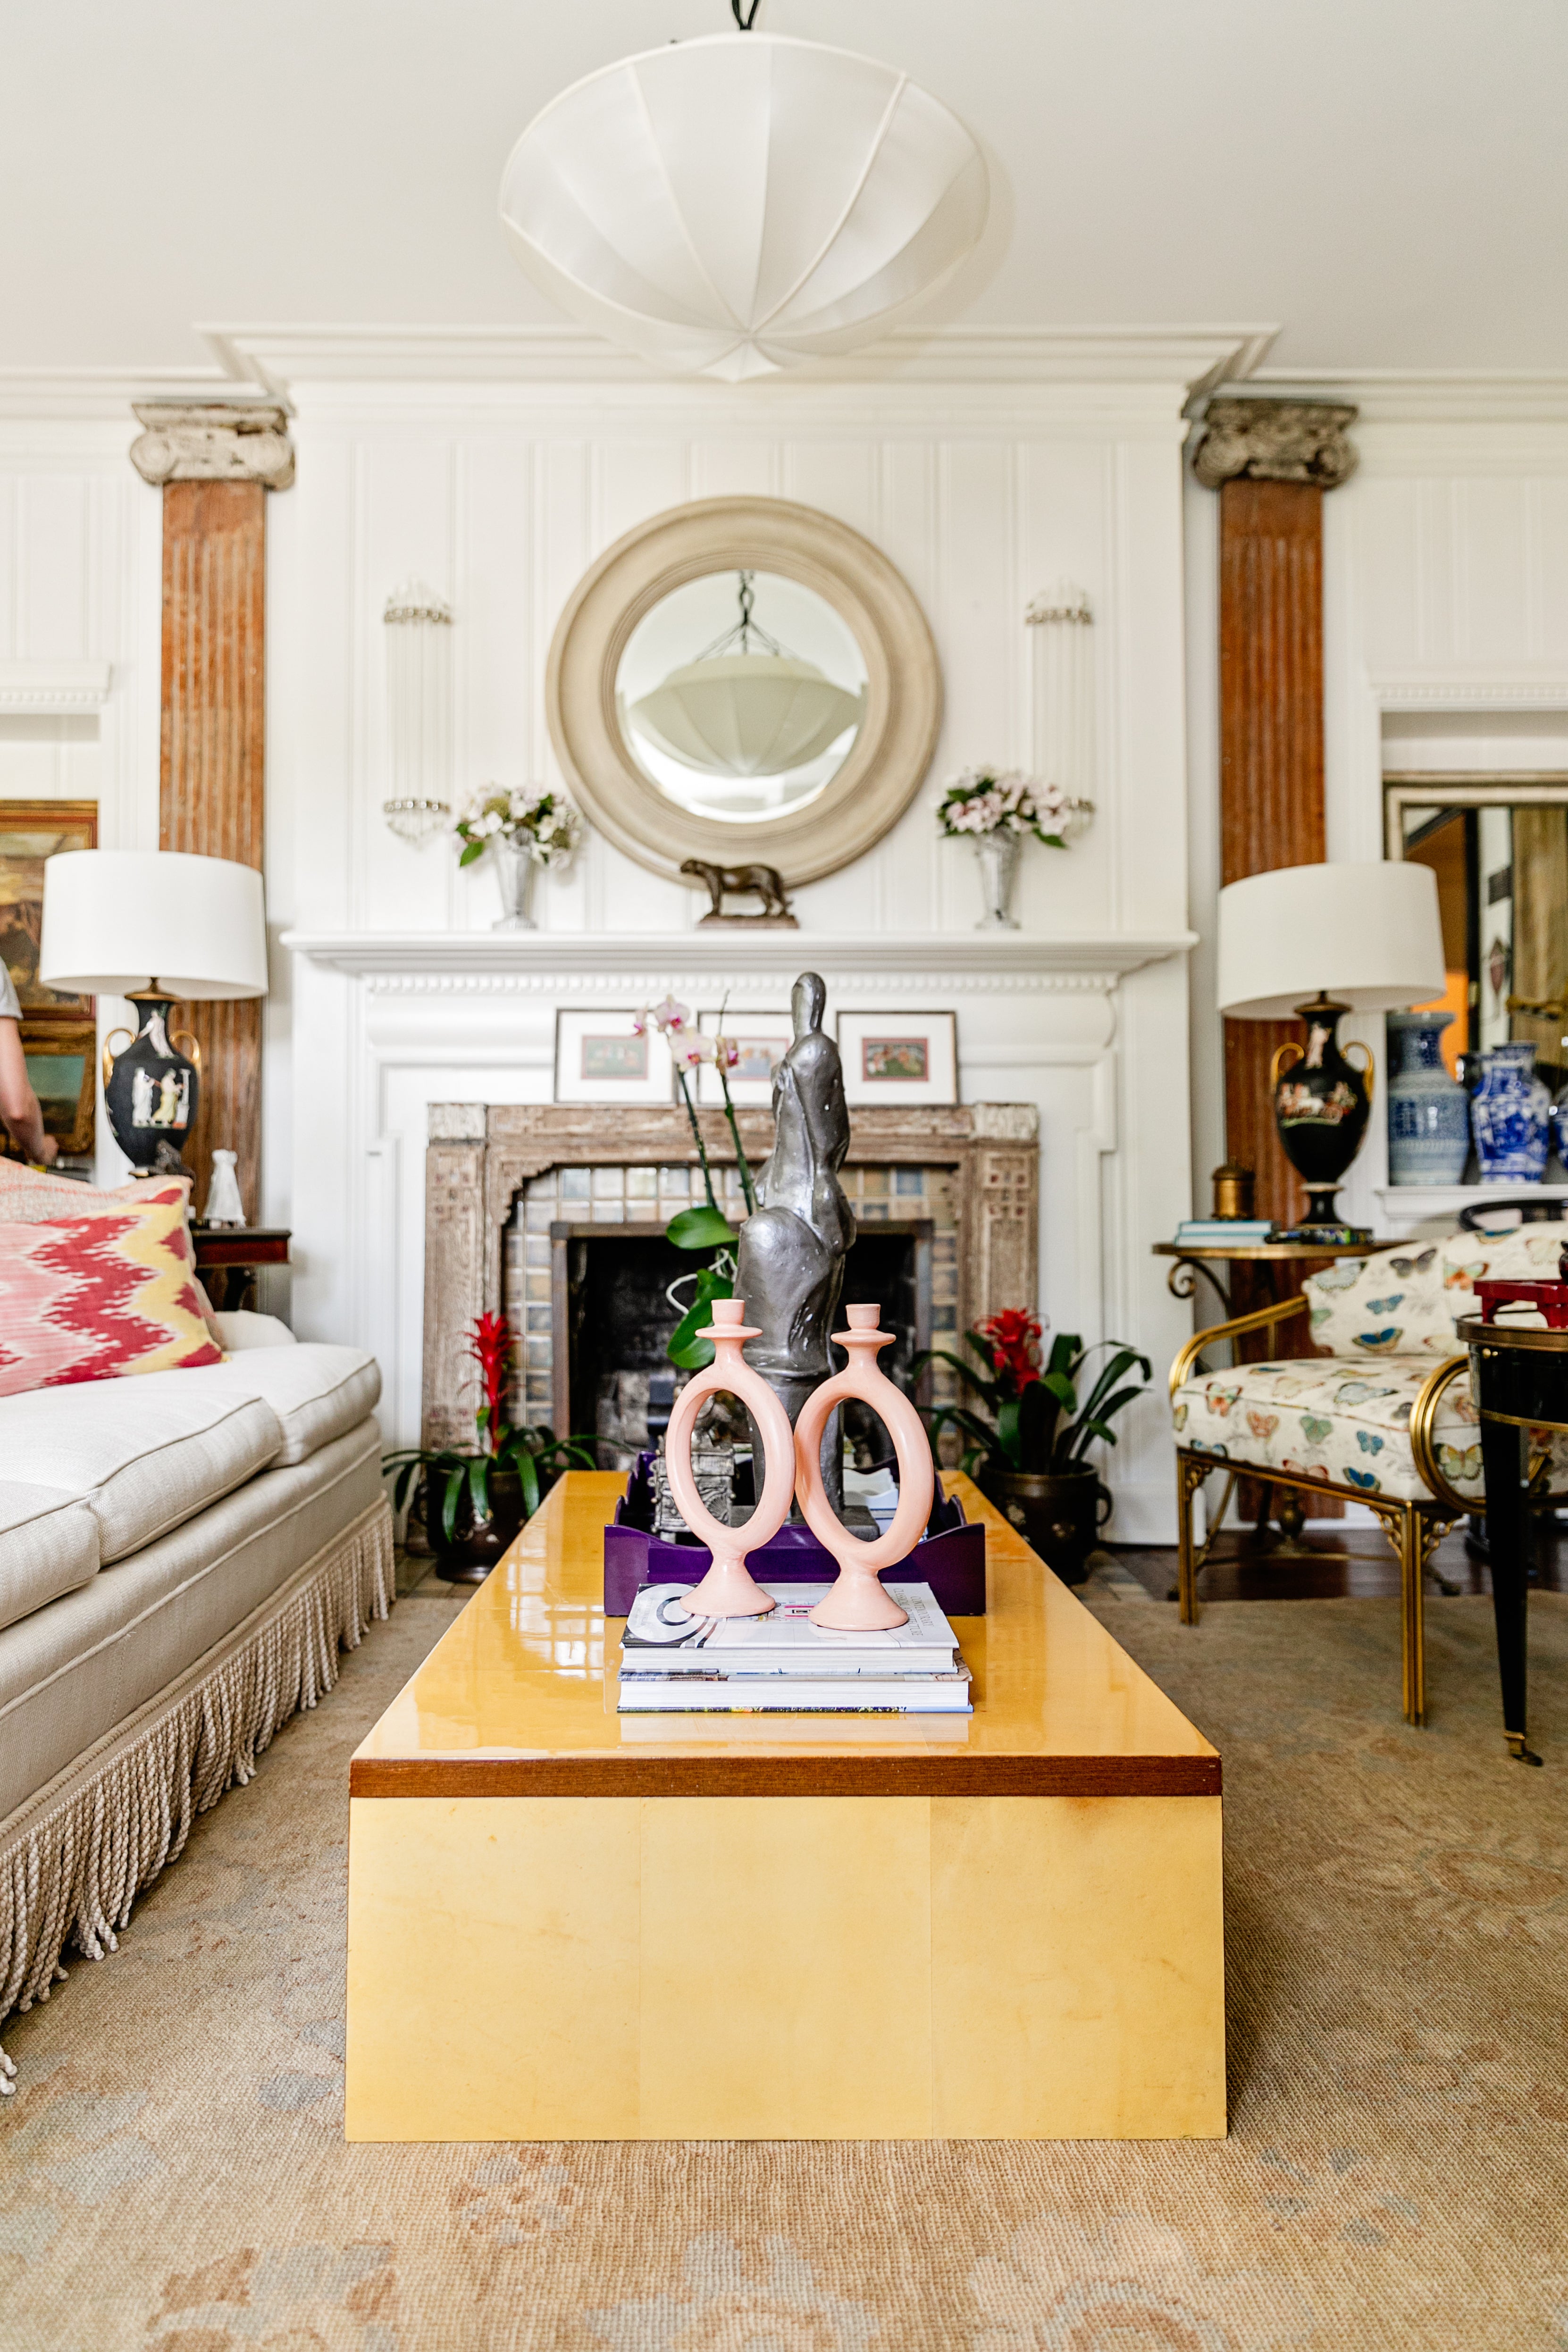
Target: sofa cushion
48, 1545
143, 1454
28, 1194
99, 1294
236, 1329
1347, 1423
316, 1391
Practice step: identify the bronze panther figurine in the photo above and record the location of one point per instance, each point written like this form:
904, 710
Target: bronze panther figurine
763, 882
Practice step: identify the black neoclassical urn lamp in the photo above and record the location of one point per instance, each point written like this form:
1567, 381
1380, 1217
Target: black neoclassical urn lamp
157, 926
1321, 942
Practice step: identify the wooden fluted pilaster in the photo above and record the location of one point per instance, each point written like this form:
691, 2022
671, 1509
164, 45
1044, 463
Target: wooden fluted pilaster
1271, 763
215, 646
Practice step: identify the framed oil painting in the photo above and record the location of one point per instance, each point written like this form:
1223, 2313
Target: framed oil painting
61, 1058
600, 1058
899, 1058
30, 832
763, 1039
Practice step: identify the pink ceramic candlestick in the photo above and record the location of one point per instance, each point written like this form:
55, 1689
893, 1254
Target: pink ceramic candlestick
857, 1603
727, 1590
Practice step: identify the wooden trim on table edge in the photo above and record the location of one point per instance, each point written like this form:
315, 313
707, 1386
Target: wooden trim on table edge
625, 1774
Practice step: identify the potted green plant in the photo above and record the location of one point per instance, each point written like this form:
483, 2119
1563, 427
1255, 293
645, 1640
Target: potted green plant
476, 1499
1028, 1459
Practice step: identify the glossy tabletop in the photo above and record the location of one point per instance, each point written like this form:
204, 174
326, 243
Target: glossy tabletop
519, 1698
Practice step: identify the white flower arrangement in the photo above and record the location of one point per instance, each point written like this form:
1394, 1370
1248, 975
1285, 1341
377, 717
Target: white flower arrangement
544, 824
1003, 800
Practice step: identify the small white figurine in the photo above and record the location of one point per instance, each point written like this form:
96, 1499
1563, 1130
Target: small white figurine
224, 1207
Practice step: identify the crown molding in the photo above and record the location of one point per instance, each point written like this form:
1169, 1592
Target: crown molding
288, 359
54, 689
89, 395
1422, 395
490, 963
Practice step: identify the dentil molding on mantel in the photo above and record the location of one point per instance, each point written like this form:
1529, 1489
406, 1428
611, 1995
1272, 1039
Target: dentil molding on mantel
502, 961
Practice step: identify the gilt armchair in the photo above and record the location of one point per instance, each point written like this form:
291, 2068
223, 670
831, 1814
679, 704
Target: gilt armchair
1380, 1415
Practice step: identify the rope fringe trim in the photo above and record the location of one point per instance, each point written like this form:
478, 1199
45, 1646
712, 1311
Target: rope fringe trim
74, 1857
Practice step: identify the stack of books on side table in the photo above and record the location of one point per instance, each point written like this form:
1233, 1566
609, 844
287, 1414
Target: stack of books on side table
675, 1664
1211, 1233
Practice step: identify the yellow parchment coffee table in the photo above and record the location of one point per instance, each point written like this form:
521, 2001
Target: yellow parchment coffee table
567, 1925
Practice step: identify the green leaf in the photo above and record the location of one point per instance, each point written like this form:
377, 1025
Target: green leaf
987, 1389
701, 1228
1056, 1384
474, 849
449, 1504
528, 1472
1007, 1430
479, 1488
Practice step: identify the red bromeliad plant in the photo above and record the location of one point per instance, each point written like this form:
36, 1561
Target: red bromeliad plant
1037, 1423
535, 1457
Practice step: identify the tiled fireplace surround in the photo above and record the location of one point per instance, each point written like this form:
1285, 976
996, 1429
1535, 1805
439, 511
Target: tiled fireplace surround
497, 1176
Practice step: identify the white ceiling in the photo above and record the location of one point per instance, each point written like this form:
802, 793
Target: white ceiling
1385, 177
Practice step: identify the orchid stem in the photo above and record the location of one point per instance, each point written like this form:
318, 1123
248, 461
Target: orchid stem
747, 1187
697, 1138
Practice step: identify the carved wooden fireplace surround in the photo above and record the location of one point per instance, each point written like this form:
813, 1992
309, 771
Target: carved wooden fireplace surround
480, 1156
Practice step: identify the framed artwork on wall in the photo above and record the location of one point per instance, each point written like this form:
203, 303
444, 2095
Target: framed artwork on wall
600, 1058
763, 1038
62, 1058
899, 1058
30, 832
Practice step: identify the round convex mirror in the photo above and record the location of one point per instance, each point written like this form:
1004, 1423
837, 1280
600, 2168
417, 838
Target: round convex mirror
741, 694
743, 679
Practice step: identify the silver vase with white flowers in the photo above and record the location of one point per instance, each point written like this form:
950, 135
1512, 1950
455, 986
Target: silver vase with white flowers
997, 809
521, 831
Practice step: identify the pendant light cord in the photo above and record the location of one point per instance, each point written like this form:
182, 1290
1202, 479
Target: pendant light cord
745, 18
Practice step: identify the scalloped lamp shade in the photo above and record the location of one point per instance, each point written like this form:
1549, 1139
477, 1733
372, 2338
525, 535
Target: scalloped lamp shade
739, 204
746, 714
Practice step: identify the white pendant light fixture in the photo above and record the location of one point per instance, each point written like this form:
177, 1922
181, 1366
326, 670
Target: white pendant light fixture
737, 712
739, 204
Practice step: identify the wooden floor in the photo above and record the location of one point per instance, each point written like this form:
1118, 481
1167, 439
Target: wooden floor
1357, 1564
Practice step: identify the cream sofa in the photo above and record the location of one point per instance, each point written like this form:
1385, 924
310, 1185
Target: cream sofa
181, 1554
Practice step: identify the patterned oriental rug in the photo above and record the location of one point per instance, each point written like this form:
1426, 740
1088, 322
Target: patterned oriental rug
173, 2175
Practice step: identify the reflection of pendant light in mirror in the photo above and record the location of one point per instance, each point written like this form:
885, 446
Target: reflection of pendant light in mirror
739, 204
742, 712
419, 711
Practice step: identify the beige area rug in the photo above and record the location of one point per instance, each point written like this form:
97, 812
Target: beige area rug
173, 2175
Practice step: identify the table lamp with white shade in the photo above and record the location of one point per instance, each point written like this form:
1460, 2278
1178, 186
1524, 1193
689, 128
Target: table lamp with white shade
153, 925
1369, 934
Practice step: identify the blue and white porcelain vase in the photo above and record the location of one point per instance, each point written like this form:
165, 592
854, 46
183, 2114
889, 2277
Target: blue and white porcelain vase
1511, 1113
1428, 1111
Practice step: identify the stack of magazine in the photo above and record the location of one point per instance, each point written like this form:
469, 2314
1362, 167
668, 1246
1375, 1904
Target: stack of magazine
675, 1664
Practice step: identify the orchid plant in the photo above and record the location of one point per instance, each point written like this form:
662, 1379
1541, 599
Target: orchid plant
544, 824
1038, 1423
706, 1227
1003, 800
535, 1457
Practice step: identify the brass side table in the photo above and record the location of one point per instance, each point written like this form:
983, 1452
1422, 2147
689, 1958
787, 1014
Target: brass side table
1280, 1267
1520, 1378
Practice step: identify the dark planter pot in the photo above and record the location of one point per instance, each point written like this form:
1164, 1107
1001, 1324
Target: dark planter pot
1058, 1514
475, 1551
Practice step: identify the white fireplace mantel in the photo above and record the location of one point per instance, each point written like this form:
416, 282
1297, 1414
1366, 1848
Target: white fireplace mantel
505, 961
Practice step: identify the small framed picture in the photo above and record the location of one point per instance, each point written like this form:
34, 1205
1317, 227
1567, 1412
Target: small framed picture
600, 1058
899, 1058
62, 1068
763, 1039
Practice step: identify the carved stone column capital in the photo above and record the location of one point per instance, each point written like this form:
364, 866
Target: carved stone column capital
1274, 441
213, 441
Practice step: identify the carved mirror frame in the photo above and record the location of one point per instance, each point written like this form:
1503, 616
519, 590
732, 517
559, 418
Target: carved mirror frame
888, 758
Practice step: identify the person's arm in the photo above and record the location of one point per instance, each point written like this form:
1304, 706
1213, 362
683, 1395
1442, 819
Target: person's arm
18, 1103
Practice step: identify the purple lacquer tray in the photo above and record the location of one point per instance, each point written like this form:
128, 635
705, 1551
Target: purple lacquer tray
951, 1557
